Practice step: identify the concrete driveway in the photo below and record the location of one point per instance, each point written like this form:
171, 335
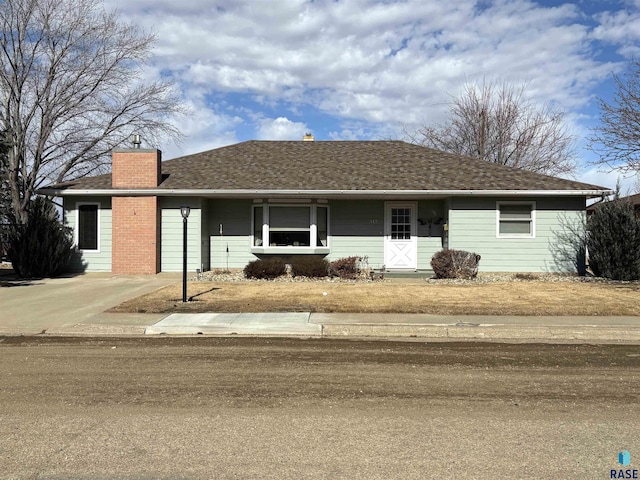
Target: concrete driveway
75, 305
30, 306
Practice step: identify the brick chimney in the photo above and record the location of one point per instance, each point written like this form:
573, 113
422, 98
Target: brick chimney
308, 137
135, 219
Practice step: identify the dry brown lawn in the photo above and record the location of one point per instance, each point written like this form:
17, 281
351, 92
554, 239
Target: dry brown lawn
499, 298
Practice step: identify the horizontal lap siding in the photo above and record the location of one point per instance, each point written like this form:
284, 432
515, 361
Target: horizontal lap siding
427, 247
172, 231
89, 261
235, 217
472, 227
205, 248
430, 236
357, 229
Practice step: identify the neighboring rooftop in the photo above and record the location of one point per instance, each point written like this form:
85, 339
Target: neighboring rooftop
633, 199
337, 166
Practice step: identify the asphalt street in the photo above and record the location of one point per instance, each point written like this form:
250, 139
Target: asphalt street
234, 408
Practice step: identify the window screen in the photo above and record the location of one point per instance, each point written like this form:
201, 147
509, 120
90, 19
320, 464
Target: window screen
290, 226
516, 219
289, 218
88, 227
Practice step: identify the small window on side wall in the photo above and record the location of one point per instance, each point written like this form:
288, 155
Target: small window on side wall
516, 220
87, 226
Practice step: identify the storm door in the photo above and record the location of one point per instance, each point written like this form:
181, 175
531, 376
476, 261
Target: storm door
401, 242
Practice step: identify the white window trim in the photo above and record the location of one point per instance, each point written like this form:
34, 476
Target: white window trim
516, 235
288, 249
76, 228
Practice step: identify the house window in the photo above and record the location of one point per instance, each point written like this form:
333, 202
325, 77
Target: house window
257, 226
87, 228
321, 226
516, 219
400, 224
290, 226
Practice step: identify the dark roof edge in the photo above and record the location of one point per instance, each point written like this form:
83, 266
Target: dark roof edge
317, 193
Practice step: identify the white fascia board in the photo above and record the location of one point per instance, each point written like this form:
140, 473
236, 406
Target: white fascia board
318, 193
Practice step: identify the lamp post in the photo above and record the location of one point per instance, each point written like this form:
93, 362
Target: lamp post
184, 211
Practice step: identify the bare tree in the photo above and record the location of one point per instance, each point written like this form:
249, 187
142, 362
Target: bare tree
72, 88
5, 191
617, 139
498, 124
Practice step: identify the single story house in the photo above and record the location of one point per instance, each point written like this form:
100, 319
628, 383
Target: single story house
391, 201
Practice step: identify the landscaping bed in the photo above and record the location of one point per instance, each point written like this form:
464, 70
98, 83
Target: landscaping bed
489, 294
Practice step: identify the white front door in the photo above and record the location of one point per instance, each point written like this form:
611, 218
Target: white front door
400, 239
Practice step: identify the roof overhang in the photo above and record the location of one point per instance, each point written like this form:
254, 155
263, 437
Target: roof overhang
111, 192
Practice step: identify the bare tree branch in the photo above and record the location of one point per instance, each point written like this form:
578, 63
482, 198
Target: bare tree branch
617, 139
72, 90
499, 125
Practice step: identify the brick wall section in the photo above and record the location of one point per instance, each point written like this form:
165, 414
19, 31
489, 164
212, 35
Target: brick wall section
136, 220
136, 168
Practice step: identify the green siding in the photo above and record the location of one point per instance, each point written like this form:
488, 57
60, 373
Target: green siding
427, 247
91, 261
357, 229
205, 248
559, 223
171, 232
235, 217
432, 214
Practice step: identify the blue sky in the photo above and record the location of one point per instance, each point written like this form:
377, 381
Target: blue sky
363, 69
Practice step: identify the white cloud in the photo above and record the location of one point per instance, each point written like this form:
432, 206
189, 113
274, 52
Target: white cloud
203, 128
621, 28
281, 128
603, 178
378, 63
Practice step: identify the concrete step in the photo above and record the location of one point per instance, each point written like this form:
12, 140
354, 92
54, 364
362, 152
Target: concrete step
408, 274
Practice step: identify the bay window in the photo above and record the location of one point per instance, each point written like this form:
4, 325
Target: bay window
302, 227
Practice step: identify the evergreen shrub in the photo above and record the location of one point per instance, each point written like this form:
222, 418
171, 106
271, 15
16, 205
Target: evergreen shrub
613, 241
41, 247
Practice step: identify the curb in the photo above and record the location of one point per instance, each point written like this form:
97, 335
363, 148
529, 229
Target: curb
622, 334
436, 333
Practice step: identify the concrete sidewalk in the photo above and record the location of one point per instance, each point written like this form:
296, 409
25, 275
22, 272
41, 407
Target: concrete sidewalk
75, 306
334, 325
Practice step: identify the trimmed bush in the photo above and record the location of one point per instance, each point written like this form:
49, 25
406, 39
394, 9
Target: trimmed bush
613, 241
455, 264
42, 247
309, 266
346, 268
268, 268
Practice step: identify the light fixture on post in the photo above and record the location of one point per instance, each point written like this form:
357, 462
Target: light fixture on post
184, 211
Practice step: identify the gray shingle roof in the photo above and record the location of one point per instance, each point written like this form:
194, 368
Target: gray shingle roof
338, 165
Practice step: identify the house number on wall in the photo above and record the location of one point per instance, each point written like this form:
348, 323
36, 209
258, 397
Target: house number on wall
373, 221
